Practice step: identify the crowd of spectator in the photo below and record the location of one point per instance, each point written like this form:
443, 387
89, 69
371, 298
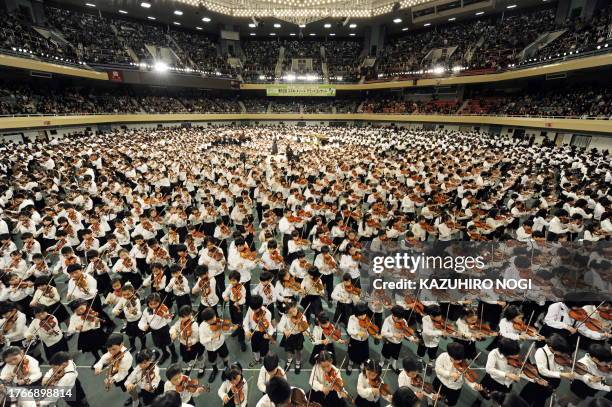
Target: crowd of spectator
16, 34
260, 58
302, 49
255, 105
401, 105
286, 106
202, 51
92, 35
342, 59
317, 106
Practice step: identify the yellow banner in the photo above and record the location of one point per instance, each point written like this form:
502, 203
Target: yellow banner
300, 90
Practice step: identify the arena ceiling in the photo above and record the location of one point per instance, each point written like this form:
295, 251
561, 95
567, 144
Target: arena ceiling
299, 18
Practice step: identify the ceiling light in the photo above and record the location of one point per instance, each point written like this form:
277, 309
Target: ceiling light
480, 13
122, 12
145, 5
511, 6
426, 24
292, 34
353, 25
277, 25
90, 5
206, 19
160, 67
352, 34
332, 34
327, 25
312, 34
151, 18
452, 19
405, 29
176, 23
273, 34
397, 20
252, 34
302, 26
252, 25
199, 28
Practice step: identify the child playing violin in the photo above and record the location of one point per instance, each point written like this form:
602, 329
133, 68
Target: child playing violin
266, 290
327, 385
115, 364
235, 294
269, 370
46, 327
359, 329
157, 281
206, 287
345, 295
182, 384
450, 374
258, 328
431, 335
86, 322
211, 332
327, 266
394, 330
179, 287
128, 306
500, 374
144, 382
12, 325
413, 379
549, 368
186, 330
64, 374
114, 295
19, 368
293, 324
597, 363
370, 387
156, 317
234, 390
323, 336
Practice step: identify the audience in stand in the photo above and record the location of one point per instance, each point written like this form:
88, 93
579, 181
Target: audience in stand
255, 105
260, 58
202, 51
91, 34
342, 60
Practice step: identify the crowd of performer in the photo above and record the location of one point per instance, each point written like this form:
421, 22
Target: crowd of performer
155, 248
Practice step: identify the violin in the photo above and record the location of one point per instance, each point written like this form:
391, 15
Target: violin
524, 328
113, 369
369, 326
404, 328
9, 323
353, 290
204, 285
157, 279
301, 325
259, 317
463, 368
188, 384
331, 332
385, 390
415, 304
329, 260
528, 369
326, 240
23, 370
591, 323
48, 324
249, 255
55, 377
294, 219
223, 325
445, 326
336, 383
236, 293
163, 312
238, 393
276, 256
417, 381
566, 361
89, 315
482, 328
186, 328
292, 284
605, 313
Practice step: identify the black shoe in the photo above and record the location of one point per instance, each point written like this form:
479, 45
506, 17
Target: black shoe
163, 358
242, 346
287, 366
202, 372
128, 402
213, 374
298, 368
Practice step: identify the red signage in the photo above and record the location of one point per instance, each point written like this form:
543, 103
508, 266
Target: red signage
115, 76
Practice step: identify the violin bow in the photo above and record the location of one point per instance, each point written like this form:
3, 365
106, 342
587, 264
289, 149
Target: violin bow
142, 376
437, 394
470, 364
88, 312
526, 358
575, 355
115, 358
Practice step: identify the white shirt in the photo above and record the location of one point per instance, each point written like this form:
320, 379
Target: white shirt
124, 365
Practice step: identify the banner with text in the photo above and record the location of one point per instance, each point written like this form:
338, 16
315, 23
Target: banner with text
300, 90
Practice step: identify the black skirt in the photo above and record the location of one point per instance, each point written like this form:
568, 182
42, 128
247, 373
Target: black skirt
361, 402
391, 350
259, 343
91, 341
358, 351
132, 330
293, 343
191, 353
60, 346
161, 337
59, 311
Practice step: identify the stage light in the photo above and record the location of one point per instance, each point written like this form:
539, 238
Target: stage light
405, 29
145, 5
327, 25
511, 6
90, 5
353, 25
252, 25
176, 23
352, 34
206, 19
452, 19
332, 34
252, 34
199, 28
292, 34
302, 25
438, 70
480, 13
151, 18
272, 34
426, 24
277, 25
397, 20
178, 12
313, 34
161, 67
122, 12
